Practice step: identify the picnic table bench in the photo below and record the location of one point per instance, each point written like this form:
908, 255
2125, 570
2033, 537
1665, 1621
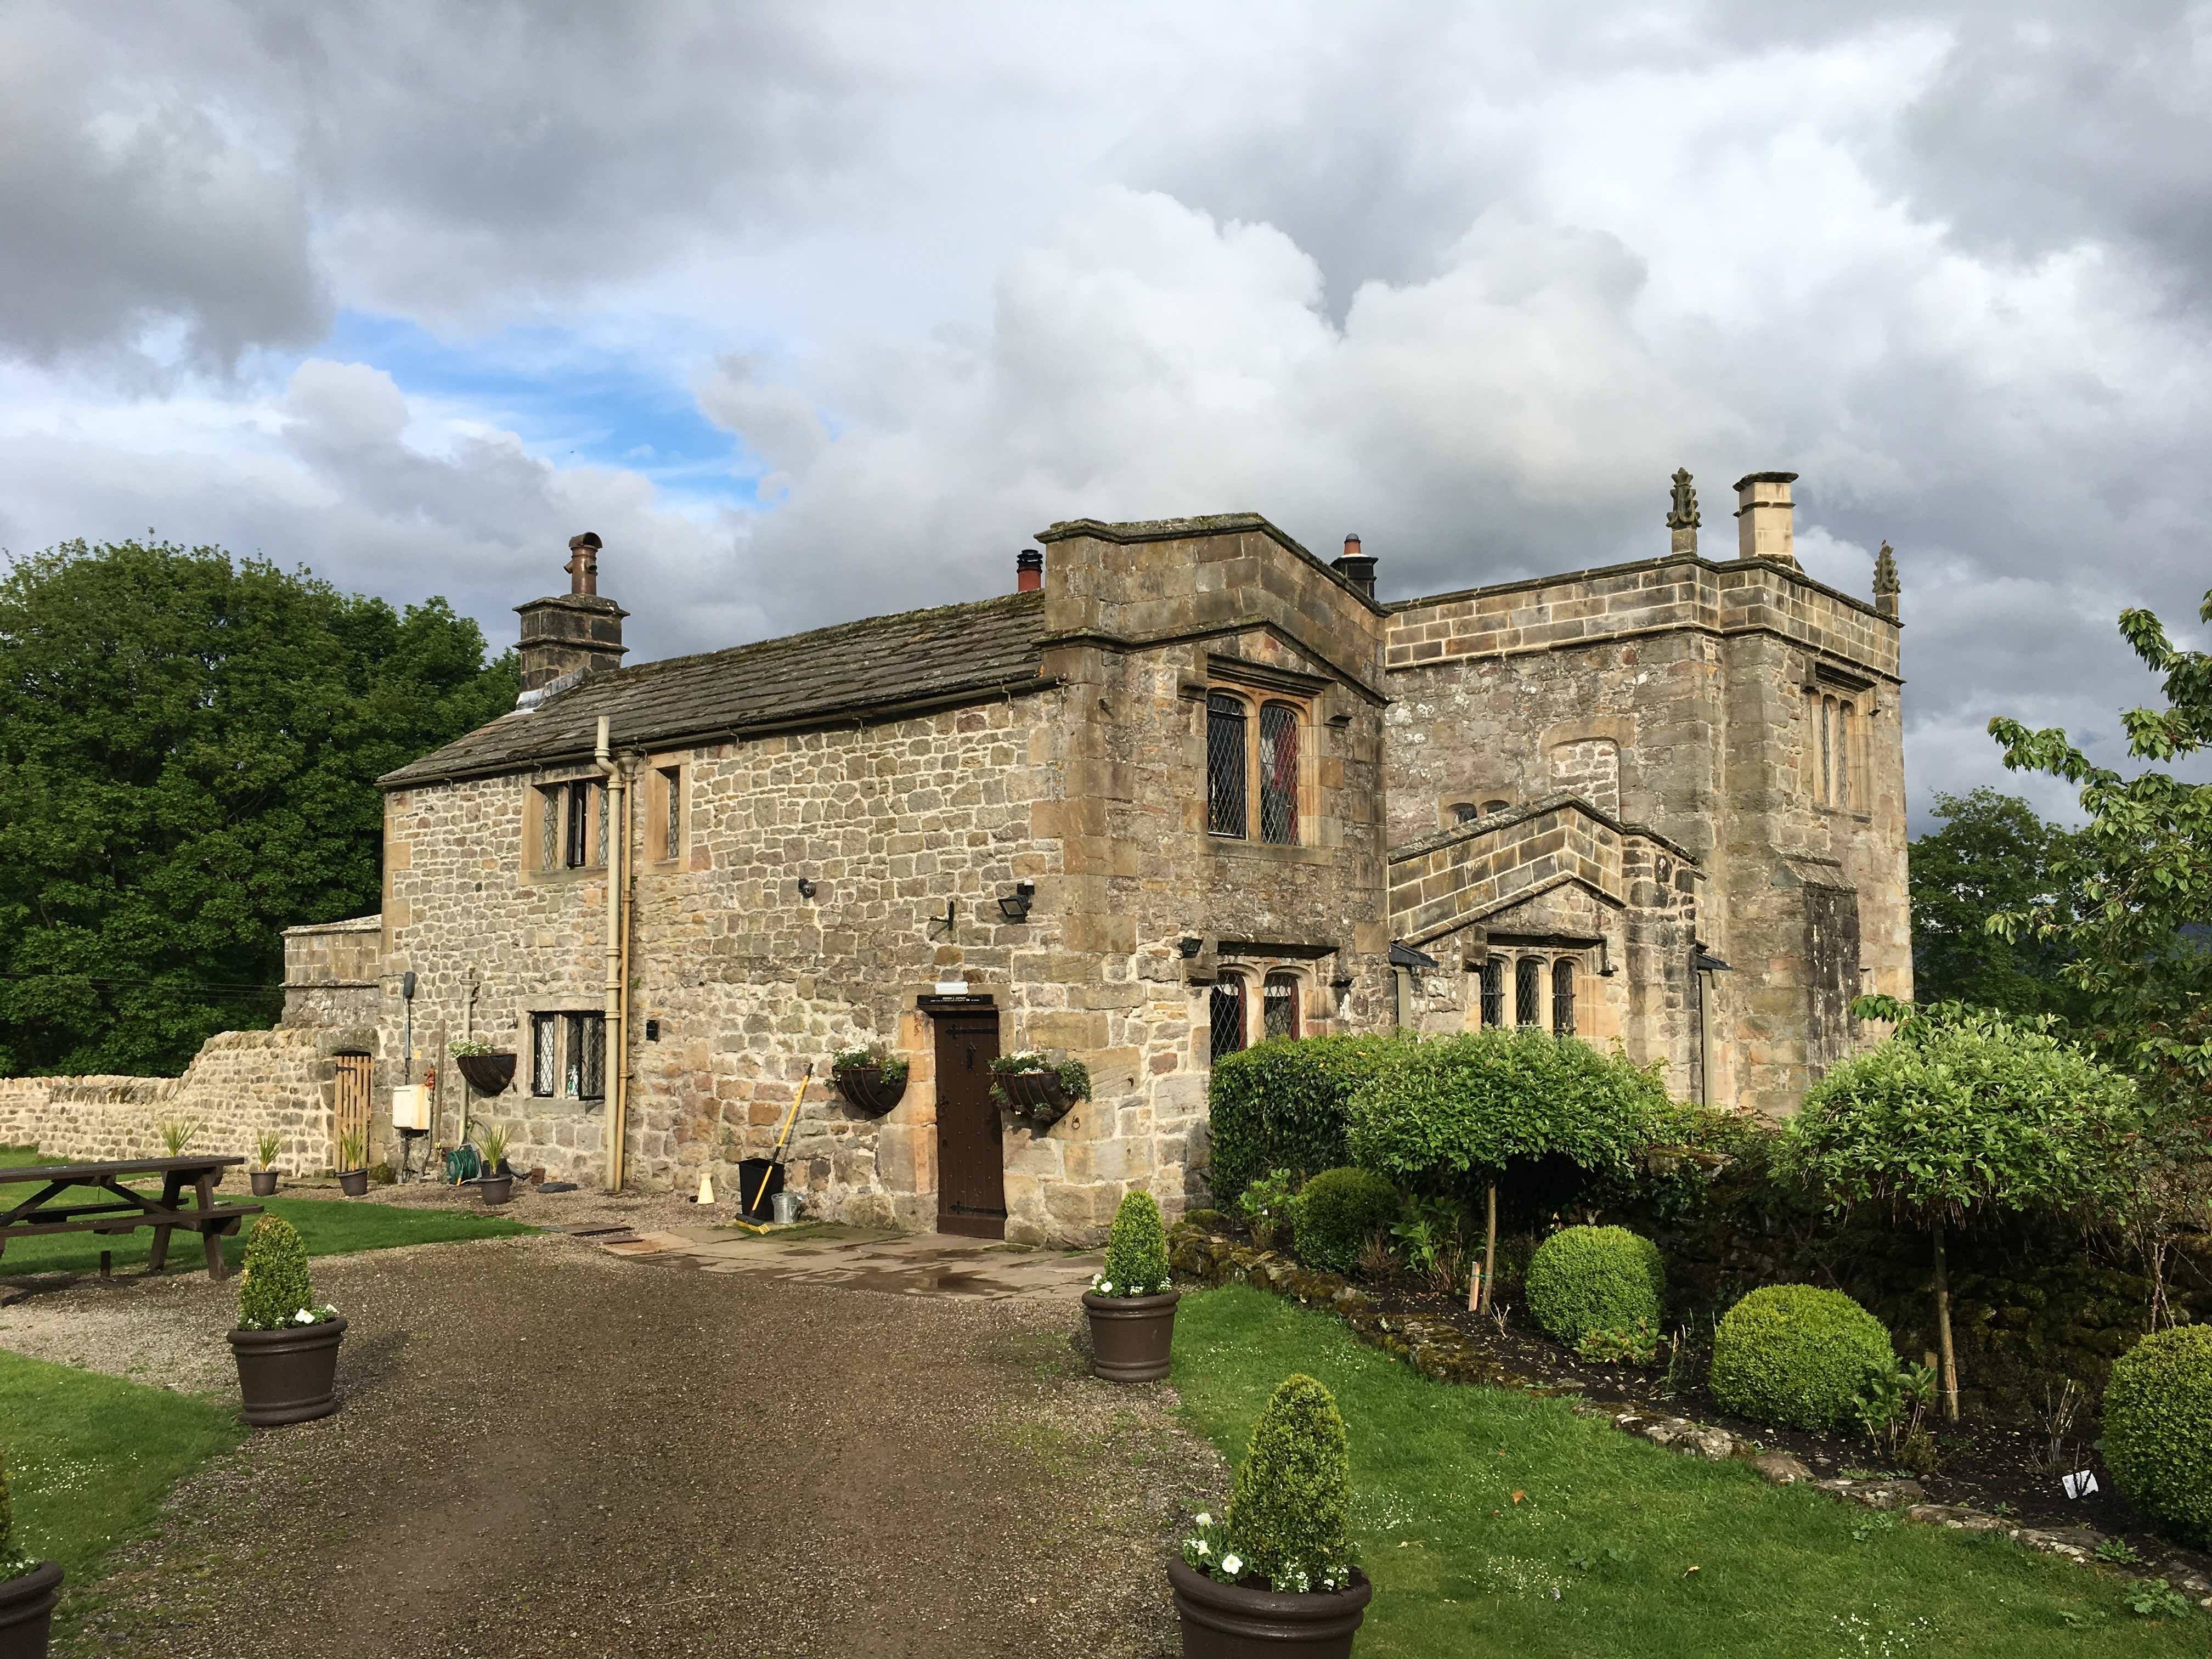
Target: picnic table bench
123, 1209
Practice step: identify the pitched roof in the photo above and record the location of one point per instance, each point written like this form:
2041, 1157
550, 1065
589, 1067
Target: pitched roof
944, 655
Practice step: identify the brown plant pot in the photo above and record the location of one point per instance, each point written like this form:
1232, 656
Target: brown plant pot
1131, 1336
1227, 1621
27, 1611
495, 1189
264, 1182
354, 1183
487, 1074
864, 1085
288, 1376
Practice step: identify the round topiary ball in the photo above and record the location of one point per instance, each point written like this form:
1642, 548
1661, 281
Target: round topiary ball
1594, 1278
1337, 1213
2158, 1428
1796, 1356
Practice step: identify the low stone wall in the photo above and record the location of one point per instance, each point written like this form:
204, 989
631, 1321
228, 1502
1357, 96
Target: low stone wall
238, 1084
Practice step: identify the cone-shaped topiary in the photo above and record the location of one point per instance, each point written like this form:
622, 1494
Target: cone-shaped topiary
2158, 1428
1136, 1249
274, 1288
1287, 1519
1594, 1278
1796, 1355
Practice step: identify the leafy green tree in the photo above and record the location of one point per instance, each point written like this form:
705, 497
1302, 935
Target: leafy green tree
1992, 854
2136, 934
1962, 1114
189, 747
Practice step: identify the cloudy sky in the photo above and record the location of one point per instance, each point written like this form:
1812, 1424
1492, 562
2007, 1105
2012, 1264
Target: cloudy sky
816, 311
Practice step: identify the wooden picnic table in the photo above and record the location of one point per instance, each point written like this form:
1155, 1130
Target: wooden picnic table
123, 1209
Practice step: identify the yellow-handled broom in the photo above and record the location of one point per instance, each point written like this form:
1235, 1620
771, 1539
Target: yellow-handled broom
776, 1157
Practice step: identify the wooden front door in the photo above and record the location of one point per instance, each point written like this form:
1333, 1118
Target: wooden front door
971, 1186
356, 1073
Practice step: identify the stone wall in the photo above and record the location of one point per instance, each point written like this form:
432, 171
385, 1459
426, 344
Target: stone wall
333, 972
238, 1084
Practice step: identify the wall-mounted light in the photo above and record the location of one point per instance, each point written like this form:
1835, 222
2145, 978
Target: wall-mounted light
806, 888
1604, 958
1190, 945
1015, 906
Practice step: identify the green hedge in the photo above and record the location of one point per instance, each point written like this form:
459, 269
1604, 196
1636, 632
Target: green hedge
1594, 1278
1281, 1105
1337, 1213
1797, 1356
2158, 1428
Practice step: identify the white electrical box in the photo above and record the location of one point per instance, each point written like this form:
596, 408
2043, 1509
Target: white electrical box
411, 1107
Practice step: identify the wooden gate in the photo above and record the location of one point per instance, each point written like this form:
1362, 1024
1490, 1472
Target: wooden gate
971, 1183
355, 1074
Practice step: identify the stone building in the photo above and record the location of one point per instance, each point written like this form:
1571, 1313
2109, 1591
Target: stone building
1188, 787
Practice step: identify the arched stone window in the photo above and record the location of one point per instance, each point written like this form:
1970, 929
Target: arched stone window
1279, 1006
1465, 811
1563, 997
1490, 806
1226, 1015
1279, 774
1529, 991
1226, 808
1493, 992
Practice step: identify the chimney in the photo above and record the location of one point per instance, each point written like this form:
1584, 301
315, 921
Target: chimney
1763, 518
578, 629
1029, 570
1355, 566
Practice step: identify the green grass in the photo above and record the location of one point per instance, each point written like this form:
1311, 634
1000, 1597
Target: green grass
1616, 1546
91, 1455
331, 1226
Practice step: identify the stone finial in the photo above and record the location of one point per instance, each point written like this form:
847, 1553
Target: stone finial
583, 566
1885, 582
1682, 516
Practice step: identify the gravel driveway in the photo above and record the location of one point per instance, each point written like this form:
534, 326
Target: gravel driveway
548, 1449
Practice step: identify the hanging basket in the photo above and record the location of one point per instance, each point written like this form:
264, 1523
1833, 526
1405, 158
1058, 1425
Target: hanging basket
869, 1090
1038, 1098
487, 1074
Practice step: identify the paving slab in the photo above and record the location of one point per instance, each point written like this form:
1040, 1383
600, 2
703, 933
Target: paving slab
894, 1264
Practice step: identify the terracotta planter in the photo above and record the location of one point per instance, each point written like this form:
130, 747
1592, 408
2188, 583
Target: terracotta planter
864, 1085
495, 1189
487, 1074
288, 1376
1227, 1621
1131, 1336
264, 1183
27, 1611
354, 1183
1037, 1097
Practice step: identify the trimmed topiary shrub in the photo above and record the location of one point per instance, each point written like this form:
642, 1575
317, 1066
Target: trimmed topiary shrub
2158, 1428
1797, 1356
1594, 1278
1288, 1521
1337, 1213
274, 1289
1136, 1249
1280, 1105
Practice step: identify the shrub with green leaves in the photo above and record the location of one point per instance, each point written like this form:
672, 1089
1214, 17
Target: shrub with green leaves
13, 1564
1337, 1213
1288, 1522
2158, 1428
1267, 1206
273, 1291
1797, 1356
1280, 1105
1594, 1278
1136, 1249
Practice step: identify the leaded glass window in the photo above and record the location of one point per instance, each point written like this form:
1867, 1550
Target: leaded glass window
1529, 991
1563, 997
544, 1056
548, 829
584, 1065
1225, 1016
1224, 767
600, 845
1279, 774
1279, 1006
579, 851
671, 782
1493, 992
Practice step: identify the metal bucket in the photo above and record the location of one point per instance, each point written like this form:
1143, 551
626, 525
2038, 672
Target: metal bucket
785, 1207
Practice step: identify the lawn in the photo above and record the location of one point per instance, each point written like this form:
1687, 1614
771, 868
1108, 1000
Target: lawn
331, 1226
1500, 1523
91, 1455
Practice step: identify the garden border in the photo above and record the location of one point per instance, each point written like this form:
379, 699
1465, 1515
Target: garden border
1441, 1352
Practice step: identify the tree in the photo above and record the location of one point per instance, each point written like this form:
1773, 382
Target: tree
188, 754
2134, 937
1961, 1114
1993, 853
1451, 1110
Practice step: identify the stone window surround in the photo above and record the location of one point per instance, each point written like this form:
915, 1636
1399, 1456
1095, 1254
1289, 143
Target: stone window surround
525, 1021
653, 842
1252, 976
1505, 959
537, 790
1255, 697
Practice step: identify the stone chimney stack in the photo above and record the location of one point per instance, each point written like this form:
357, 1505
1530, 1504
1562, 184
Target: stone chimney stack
576, 629
1355, 566
1029, 570
1764, 516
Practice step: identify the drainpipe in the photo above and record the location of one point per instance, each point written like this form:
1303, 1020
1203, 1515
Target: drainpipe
603, 756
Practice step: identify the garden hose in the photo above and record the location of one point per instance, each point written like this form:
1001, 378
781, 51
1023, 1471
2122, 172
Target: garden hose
462, 1164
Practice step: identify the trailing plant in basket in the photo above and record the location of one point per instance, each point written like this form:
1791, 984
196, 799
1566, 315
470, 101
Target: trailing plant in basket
1136, 1251
874, 1058
467, 1047
1288, 1529
1074, 1076
273, 1290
